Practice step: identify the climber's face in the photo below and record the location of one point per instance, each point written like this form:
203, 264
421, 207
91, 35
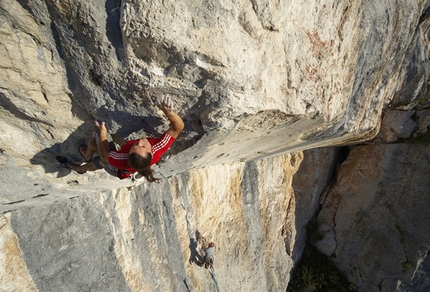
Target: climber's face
141, 147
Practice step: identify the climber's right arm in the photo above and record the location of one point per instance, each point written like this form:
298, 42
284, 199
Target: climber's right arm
103, 147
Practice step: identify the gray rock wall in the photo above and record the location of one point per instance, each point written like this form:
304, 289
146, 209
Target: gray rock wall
374, 223
240, 73
144, 238
256, 84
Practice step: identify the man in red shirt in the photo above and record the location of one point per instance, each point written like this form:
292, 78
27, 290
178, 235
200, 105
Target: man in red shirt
133, 156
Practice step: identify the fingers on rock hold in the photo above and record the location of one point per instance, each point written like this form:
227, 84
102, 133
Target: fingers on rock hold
167, 101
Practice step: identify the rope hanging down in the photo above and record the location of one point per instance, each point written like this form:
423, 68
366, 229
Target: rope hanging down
214, 278
200, 239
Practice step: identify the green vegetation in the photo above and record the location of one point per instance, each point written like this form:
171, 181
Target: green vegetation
423, 138
316, 271
407, 266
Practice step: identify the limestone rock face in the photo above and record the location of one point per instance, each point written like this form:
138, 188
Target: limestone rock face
373, 223
241, 73
144, 238
256, 83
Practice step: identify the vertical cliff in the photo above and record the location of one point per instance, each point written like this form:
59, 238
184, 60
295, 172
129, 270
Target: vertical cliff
143, 238
374, 220
261, 88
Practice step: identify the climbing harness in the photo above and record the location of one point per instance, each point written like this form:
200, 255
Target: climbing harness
209, 263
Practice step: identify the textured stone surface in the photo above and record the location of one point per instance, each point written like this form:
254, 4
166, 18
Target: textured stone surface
373, 220
242, 74
13, 274
397, 124
143, 238
253, 81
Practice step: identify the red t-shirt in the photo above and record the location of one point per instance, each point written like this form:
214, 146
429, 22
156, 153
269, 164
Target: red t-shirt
119, 158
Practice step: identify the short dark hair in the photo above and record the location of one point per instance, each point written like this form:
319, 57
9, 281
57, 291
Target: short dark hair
142, 165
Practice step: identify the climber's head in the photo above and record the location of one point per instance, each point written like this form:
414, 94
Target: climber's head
140, 155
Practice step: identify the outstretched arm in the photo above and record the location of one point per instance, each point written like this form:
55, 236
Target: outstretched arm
103, 147
176, 123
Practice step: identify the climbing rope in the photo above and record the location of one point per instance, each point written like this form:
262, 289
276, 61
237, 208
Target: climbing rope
200, 239
214, 278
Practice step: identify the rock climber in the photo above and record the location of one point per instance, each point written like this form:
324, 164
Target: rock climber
208, 260
208, 249
134, 155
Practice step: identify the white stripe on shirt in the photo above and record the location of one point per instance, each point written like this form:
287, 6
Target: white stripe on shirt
118, 155
160, 145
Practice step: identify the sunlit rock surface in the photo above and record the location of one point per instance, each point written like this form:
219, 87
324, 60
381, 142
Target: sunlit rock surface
373, 223
257, 84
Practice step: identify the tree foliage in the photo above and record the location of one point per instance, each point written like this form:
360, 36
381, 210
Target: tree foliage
316, 271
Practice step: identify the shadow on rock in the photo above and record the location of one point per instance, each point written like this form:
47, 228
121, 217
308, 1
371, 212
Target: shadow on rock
195, 256
69, 147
